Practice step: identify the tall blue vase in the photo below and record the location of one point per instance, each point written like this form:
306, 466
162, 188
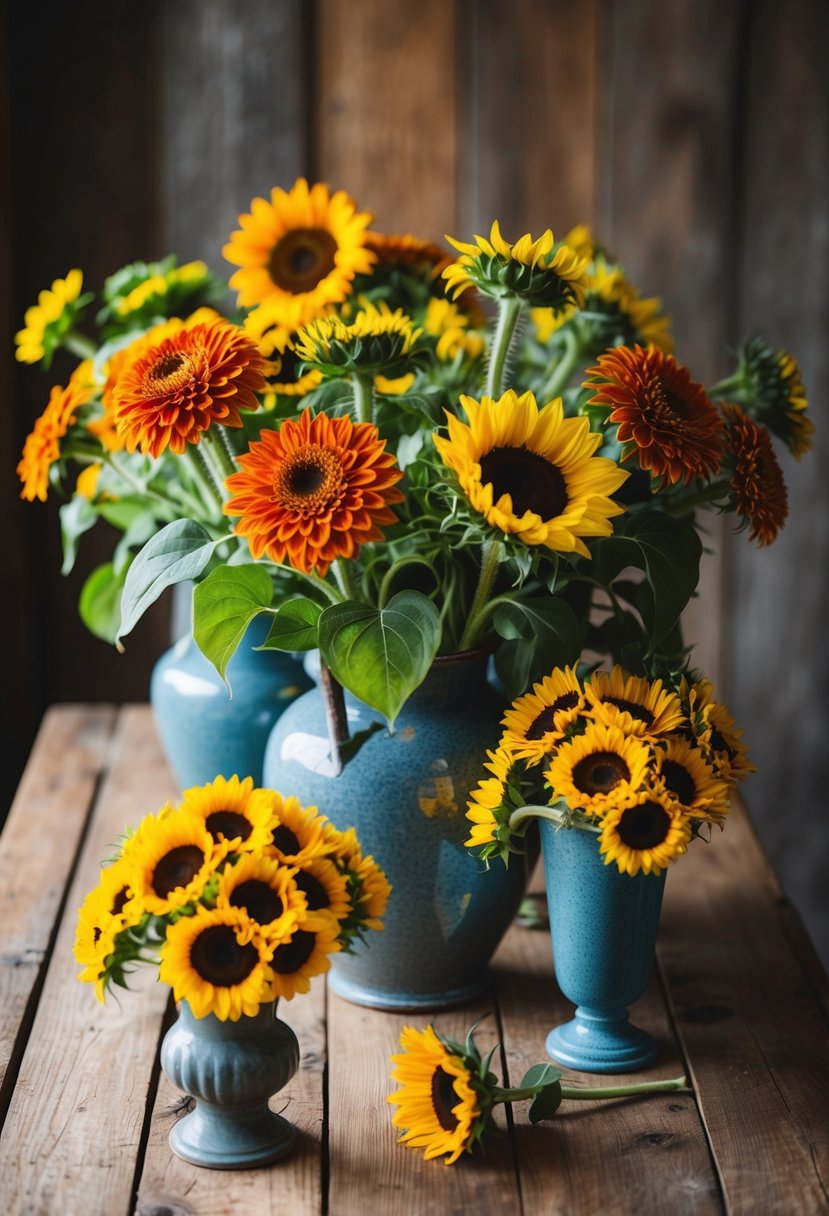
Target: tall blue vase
604, 926
406, 795
204, 732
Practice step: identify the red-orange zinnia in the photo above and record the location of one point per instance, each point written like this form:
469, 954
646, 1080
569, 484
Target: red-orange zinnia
314, 490
42, 447
662, 414
757, 478
171, 390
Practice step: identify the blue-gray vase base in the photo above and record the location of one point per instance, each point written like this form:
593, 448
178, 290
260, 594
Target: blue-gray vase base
403, 1000
594, 1042
221, 1139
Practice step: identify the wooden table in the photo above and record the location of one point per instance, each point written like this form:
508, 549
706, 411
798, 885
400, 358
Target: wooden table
739, 1002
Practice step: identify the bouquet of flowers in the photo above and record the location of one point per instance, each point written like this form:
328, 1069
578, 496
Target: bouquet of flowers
238, 895
394, 453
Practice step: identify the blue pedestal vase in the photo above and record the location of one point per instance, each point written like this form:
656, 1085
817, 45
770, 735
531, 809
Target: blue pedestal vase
204, 732
231, 1069
406, 795
604, 926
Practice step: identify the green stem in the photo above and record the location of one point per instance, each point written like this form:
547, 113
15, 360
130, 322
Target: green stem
564, 369
723, 388
490, 558
79, 345
509, 310
135, 483
710, 493
217, 464
331, 592
221, 447
552, 813
364, 397
342, 573
195, 463
627, 1091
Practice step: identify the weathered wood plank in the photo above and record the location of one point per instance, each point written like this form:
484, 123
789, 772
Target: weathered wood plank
752, 1028
366, 1163
57, 790
649, 1153
385, 107
71, 1138
169, 1185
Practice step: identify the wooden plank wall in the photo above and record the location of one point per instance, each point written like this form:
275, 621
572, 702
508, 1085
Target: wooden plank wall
691, 134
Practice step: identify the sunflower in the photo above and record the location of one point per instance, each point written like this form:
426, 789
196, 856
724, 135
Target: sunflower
375, 340
770, 385
42, 447
215, 961
297, 961
689, 781
315, 490
276, 345
600, 769
170, 392
407, 252
646, 835
488, 808
663, 416
372, 892
538, 272
536, 722
638, 706
324, 887
531, 472
267, 892
95, 941
299, 252
449, 328
233, 810
438, 1105
47, 322
297, 832
722, 744
172, 856
166, 291
757, 482
87, 481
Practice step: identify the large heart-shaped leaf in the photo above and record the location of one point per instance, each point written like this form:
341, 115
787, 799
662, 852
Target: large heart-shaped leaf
99, 603
539, 633
180, 551
294, 626
223, 607
381, 655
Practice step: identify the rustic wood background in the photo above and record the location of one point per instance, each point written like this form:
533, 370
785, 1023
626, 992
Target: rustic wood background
692, 134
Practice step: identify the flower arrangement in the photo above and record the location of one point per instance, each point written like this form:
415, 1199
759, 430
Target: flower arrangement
646, 766
394, 453
238, 895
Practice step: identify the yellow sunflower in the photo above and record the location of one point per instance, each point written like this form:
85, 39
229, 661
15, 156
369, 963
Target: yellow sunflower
449, 328
299, 252
536, 722
770, 385
297, 961
297, 832
215, 961
324, 887
42, 447
723, 745
638, 706
600, 769
172, 857
282, 369
689, 781
375, 340
374, 890
437, 1103
489, 799
267, 891
47, 322
646, 835
233, 810
539, 272
531, 472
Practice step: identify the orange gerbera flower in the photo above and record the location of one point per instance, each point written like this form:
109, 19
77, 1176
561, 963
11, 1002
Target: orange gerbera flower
42, 447
757, 478
662, 414
171, 390
314, 490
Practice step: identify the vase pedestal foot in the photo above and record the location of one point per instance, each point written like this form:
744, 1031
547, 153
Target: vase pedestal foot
403, 1001
601, 1042
219, 1139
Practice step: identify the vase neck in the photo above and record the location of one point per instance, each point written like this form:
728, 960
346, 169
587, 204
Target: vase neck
454, 679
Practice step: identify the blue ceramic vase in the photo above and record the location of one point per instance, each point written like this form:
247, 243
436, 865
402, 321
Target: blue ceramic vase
406, 795
231, 1069
204, 732
604, 926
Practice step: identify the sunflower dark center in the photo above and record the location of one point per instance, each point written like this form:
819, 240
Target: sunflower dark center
533, 483
285, 841
599, 773
301, 258
631, 707
228, 824
294, 954
679, 781
176, 869
119, 901
219, 959
545, 721
644, 826
444, 1098
260, 901
167, 366
315, 892
288, 366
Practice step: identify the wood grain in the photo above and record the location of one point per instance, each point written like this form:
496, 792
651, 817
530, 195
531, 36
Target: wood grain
71, 1137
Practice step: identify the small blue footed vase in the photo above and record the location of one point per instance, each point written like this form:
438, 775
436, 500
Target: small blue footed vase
406, 795
231, 1069
204, 732
603, 925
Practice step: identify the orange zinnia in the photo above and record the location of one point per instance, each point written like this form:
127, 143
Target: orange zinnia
42, 447
171, 390
314, 490
662, 414
757, 479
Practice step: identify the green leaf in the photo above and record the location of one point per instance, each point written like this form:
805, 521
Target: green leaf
179, 552
539, 633
540, 1075
99, 605
122, 512
381, 656
546, 1102
76, 517
294, 626
223, 607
